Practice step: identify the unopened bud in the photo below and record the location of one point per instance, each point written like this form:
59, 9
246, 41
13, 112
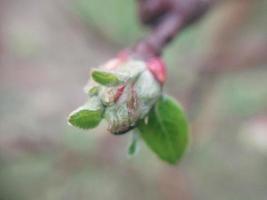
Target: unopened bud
122, 91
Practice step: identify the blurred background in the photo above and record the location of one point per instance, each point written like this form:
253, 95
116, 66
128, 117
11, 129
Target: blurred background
216, 69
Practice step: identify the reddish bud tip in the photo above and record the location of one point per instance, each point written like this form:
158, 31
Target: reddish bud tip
157, 67
112, 64
123, 55
115, 62
119, 92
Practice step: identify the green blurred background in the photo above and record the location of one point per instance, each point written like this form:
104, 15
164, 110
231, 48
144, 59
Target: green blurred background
216, 68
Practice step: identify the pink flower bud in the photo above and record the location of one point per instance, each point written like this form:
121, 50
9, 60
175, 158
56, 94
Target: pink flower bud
119, 92
157, 67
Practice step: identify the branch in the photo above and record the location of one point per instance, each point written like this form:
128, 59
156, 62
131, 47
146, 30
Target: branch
167, 18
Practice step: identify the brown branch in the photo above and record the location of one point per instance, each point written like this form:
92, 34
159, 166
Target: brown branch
167, 18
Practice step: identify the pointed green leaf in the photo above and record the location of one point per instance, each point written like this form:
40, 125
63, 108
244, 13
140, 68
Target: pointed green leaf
134, 144
85, 119
166, 130
105, 78
93, 90
87, 116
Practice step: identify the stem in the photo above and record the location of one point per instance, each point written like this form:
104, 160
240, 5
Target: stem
167, 18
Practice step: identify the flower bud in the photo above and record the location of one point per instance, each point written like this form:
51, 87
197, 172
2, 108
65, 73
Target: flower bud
140, 93
122, 92
157, 67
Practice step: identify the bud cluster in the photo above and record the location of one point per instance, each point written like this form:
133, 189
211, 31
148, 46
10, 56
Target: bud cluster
122, 91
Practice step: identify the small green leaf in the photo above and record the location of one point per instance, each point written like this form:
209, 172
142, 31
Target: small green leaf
94, 90
105, 78
87, 116
85, 119
134, 144
166, 130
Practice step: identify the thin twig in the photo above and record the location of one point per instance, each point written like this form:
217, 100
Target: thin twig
167, 18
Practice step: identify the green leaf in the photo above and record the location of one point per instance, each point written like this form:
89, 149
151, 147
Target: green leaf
85, 119
87, 116
94, 90
166, 130
105, 78
132, 149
